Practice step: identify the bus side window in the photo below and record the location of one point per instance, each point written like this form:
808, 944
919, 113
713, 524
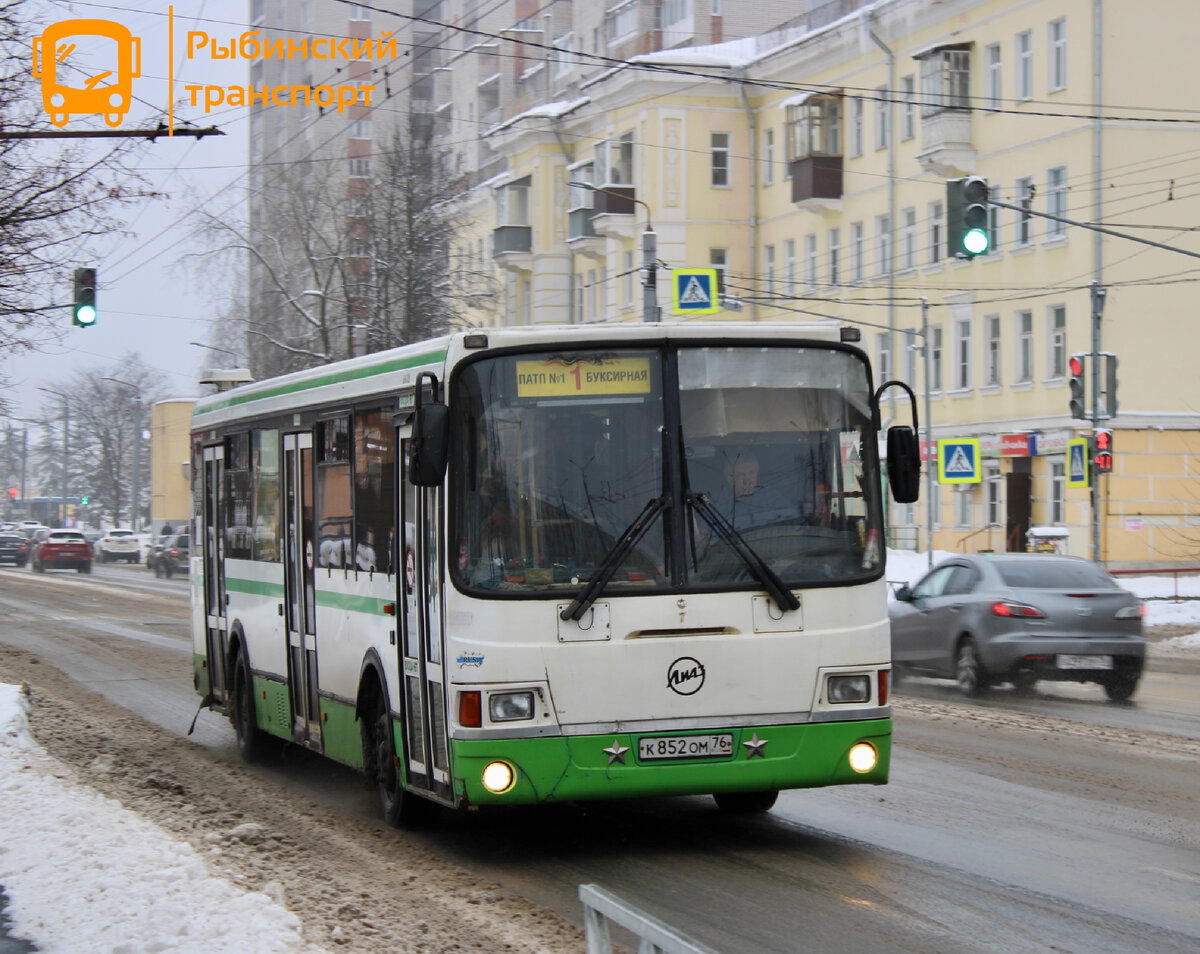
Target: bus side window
374, 491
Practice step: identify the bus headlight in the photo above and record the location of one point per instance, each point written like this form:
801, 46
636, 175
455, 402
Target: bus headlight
510, 706
863, 757
848, 688
498, 777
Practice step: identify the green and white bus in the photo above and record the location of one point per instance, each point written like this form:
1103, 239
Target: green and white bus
552, 563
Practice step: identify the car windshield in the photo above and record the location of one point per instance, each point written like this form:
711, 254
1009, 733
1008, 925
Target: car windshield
1041, 574
67, 538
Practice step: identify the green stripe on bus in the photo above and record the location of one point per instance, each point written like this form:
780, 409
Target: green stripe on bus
254, 587
352, 603
339, 377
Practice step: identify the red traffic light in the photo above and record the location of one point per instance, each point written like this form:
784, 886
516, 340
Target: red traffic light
12, 493
1103, 440
1076, 364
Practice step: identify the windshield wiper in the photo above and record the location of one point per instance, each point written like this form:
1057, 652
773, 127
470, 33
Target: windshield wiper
615, 557
784, 598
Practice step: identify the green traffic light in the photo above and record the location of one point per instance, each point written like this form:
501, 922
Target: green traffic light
85, 315
975, 242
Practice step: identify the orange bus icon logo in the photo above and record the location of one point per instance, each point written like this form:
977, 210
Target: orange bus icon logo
98, 81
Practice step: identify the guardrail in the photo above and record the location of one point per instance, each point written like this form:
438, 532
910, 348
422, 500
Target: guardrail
601, 907
1174, 572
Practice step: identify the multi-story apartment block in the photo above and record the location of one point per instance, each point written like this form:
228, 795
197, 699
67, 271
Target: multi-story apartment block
805, 157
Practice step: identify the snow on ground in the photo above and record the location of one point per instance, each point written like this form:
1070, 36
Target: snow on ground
86, 876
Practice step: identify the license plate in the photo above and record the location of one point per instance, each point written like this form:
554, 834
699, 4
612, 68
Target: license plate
685, 747
1084, 662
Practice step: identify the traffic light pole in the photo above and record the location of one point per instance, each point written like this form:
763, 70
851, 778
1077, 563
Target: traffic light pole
1098, 296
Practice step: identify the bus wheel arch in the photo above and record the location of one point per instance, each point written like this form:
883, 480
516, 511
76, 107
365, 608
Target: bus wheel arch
251, 740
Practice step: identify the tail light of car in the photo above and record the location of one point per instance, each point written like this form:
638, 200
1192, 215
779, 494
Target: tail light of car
1013, 609
174, 554
1136, 611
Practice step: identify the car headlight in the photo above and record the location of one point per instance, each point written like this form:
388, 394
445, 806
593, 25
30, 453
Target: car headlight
510, 706
848, 688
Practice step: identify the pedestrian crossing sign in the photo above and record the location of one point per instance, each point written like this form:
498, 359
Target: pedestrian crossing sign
694, 291
1077, 463
958, 462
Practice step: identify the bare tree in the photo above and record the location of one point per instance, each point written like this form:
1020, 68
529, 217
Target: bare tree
51, 200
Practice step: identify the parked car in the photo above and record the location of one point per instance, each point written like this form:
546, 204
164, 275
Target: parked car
172, 556
118, 544
61, 549
1019, 618
14, 548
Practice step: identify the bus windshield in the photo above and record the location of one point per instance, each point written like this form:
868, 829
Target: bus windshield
560, 456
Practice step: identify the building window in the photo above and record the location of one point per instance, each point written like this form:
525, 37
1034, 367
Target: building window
835, 260
945, 80
593, 312
856, 126
717, 258
995, 89
810, 262
883, 229
1025, 65
935, 358
1058, 487
1056, 201
360, 129
619, 21
1058, 54
908, 107
1058, 341
814, 128
360, 167
769, 259
883, 356
962, 506
768, 156
360, 11
512, 203
720, 159
614, 161
910, 359
1024, 196
883, 106
1024, 346
935, 504
857, 252
908, 238
992, 374
789, 268
936, 239
993, 482
962, 354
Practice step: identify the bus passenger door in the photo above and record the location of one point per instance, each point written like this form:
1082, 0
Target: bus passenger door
423, 697
300, 598
213, 543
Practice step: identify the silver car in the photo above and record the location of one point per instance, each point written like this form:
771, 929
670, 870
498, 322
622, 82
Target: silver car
1019, 618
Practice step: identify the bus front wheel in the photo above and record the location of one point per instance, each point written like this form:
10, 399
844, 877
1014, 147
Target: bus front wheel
401, 808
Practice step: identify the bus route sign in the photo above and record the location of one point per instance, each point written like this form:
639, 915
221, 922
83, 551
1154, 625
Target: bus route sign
558, 378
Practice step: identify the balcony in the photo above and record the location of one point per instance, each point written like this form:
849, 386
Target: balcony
581, 233
817, 182
613, 207
512, 247
946, 147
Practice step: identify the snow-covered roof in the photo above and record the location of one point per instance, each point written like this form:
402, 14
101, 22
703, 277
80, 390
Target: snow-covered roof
544, 111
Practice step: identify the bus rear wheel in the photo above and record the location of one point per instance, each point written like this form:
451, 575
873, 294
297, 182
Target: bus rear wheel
251, 741
745, 803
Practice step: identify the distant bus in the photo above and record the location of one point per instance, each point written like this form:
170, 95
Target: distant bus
544, 564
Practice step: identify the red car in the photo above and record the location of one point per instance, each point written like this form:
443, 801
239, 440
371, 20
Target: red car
67, 549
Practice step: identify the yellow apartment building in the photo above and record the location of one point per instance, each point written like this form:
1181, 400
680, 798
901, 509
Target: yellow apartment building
809, 167
170, 463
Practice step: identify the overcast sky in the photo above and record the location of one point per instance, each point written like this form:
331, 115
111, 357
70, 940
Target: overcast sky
152, 298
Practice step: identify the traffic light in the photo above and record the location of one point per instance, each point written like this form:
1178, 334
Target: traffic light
83, 501
1110, 384
84, 308
967, 217
12, 493
1102, 447
1078, 379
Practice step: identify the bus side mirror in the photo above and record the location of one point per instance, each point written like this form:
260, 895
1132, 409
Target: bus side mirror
427, 458
904, 464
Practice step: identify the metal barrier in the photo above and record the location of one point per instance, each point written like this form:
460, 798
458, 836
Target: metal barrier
1173, 571
600, 907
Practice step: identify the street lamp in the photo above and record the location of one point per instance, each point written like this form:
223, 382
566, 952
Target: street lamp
137, 445
66, 448
649, 252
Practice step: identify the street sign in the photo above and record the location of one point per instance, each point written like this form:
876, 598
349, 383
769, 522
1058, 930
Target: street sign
1077, 467
694, 291
958, 462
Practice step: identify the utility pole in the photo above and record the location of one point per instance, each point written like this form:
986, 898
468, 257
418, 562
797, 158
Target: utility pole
929, 445
650, 264
1098, 295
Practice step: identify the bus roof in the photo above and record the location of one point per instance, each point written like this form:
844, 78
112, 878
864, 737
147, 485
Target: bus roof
396, 370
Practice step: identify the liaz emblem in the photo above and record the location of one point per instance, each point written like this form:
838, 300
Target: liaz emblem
685, 676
